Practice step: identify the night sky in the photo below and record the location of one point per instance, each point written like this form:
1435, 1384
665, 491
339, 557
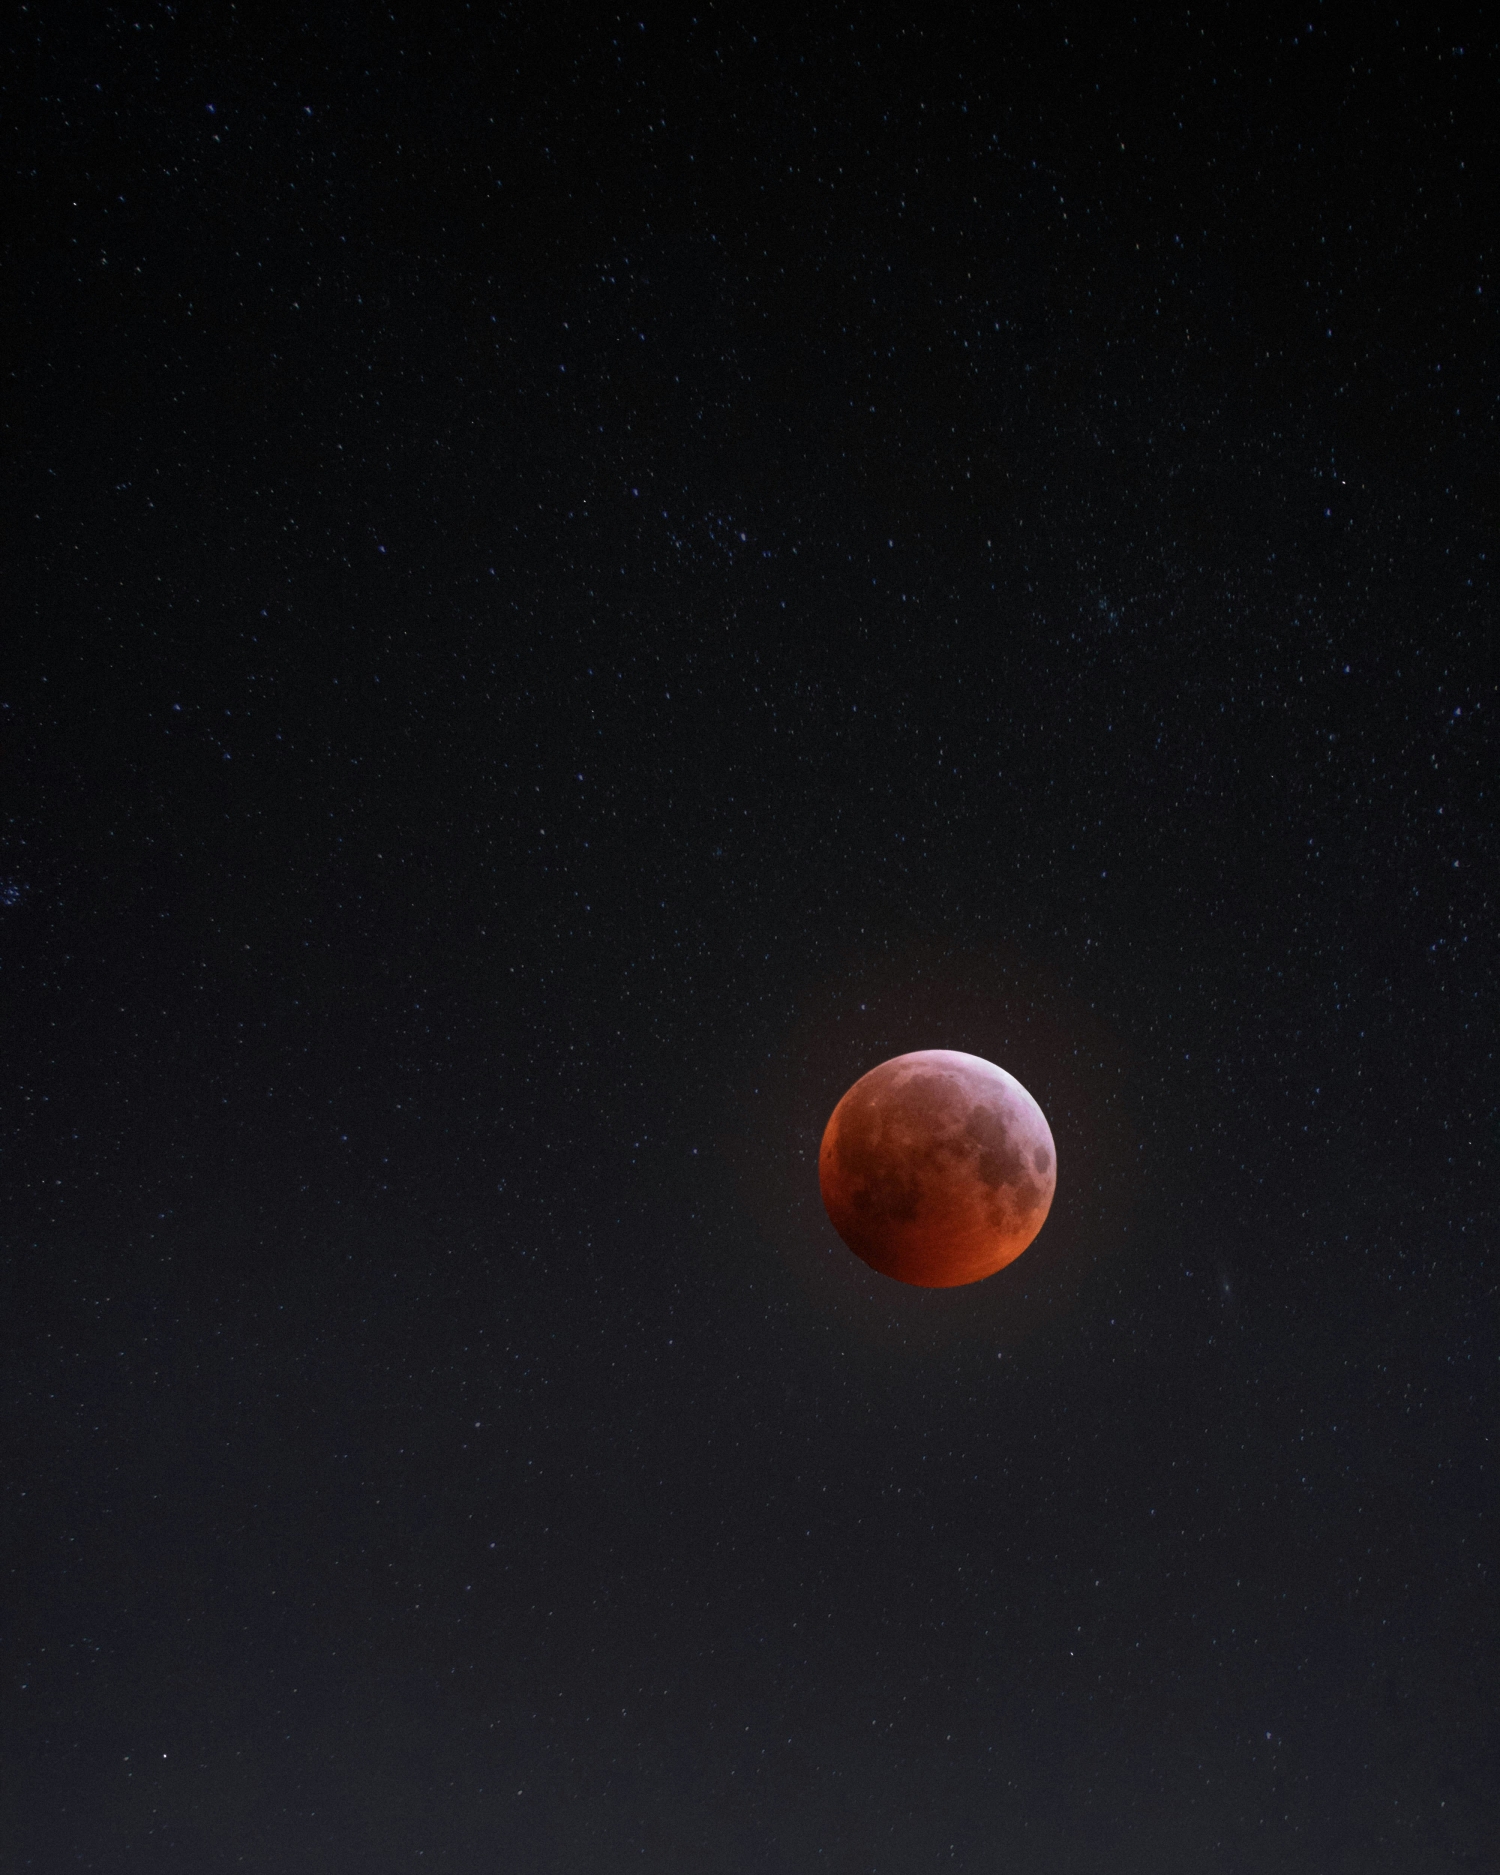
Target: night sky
573, 583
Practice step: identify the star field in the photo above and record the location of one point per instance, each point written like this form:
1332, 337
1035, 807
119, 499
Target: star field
579, 582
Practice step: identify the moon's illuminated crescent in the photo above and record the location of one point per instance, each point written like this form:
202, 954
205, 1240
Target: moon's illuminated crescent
937, 1168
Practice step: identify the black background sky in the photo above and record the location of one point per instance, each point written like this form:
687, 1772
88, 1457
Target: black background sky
575, 582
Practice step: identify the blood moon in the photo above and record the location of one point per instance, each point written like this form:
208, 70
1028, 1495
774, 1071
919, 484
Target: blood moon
937, 1168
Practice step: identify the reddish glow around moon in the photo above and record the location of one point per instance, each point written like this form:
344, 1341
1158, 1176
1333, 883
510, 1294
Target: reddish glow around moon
937, 1168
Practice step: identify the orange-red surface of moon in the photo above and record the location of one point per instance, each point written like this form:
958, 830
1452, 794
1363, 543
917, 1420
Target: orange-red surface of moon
937, 1168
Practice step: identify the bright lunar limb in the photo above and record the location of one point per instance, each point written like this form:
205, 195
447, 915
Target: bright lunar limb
937, 1168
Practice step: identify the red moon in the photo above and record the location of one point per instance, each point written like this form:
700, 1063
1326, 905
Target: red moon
937, 1168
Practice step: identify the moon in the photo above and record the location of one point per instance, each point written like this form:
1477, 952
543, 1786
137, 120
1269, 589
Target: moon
937, 1168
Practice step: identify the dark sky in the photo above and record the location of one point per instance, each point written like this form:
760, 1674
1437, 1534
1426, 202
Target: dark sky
575, 582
